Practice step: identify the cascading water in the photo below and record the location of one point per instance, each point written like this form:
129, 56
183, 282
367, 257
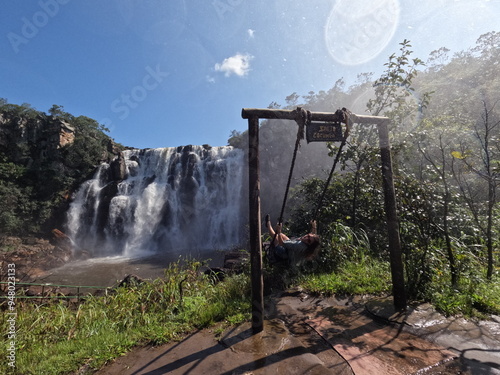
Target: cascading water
161, 200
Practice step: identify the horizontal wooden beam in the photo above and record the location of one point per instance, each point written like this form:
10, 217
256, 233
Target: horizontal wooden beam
364, 119
287, 114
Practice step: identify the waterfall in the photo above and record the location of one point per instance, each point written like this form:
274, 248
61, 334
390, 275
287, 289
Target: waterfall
160, 200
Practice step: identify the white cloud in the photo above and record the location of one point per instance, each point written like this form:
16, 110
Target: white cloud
238, 64
250, 33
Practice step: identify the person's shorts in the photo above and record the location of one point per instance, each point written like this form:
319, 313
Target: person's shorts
281, 253
277, 254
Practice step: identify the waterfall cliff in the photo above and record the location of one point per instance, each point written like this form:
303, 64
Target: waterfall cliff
161, 200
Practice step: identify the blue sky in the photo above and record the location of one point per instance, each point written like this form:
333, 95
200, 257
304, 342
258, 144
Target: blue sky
165, 73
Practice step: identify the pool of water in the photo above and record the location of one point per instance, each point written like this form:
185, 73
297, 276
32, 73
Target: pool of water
110, 270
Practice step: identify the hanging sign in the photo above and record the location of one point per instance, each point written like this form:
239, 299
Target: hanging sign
324, 132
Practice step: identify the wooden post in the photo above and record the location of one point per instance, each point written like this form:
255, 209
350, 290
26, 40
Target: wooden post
397, 268
257, 280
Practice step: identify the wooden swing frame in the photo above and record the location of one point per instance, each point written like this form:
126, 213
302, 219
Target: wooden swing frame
255, 239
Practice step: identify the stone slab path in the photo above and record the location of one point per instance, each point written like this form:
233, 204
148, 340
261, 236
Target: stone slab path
320, 336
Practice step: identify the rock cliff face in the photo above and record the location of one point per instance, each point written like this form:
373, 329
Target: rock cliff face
44, 135
66, 134
43, 159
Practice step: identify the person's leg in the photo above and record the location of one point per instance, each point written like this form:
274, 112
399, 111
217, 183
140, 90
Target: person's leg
270, 228
278, 239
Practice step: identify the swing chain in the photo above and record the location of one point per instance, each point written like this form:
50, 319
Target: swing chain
302, 118
342, 116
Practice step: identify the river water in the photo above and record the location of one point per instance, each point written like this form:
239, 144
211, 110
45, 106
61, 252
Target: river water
108, 271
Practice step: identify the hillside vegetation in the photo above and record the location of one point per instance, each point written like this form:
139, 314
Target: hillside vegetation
43, 158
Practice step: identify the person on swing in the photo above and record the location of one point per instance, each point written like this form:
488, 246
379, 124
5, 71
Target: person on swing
283, 248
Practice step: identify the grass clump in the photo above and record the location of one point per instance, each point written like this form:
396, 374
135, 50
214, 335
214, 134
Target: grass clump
473, 297
369, 277
55, 338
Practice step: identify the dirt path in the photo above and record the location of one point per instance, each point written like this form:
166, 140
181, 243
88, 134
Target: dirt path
306, 335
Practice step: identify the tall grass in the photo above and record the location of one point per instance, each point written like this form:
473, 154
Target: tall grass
55, 338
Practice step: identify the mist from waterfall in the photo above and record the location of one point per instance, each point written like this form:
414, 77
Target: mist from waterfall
166, 200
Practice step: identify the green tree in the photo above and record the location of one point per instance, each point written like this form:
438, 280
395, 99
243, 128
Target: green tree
436, 148
483, 161
58, 111
464, 109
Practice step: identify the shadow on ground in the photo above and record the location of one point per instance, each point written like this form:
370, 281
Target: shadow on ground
307, 335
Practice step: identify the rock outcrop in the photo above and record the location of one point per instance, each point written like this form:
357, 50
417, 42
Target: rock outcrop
32, 257
118, 168
43, 135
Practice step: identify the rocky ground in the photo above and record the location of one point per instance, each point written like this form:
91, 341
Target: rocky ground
33, 256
